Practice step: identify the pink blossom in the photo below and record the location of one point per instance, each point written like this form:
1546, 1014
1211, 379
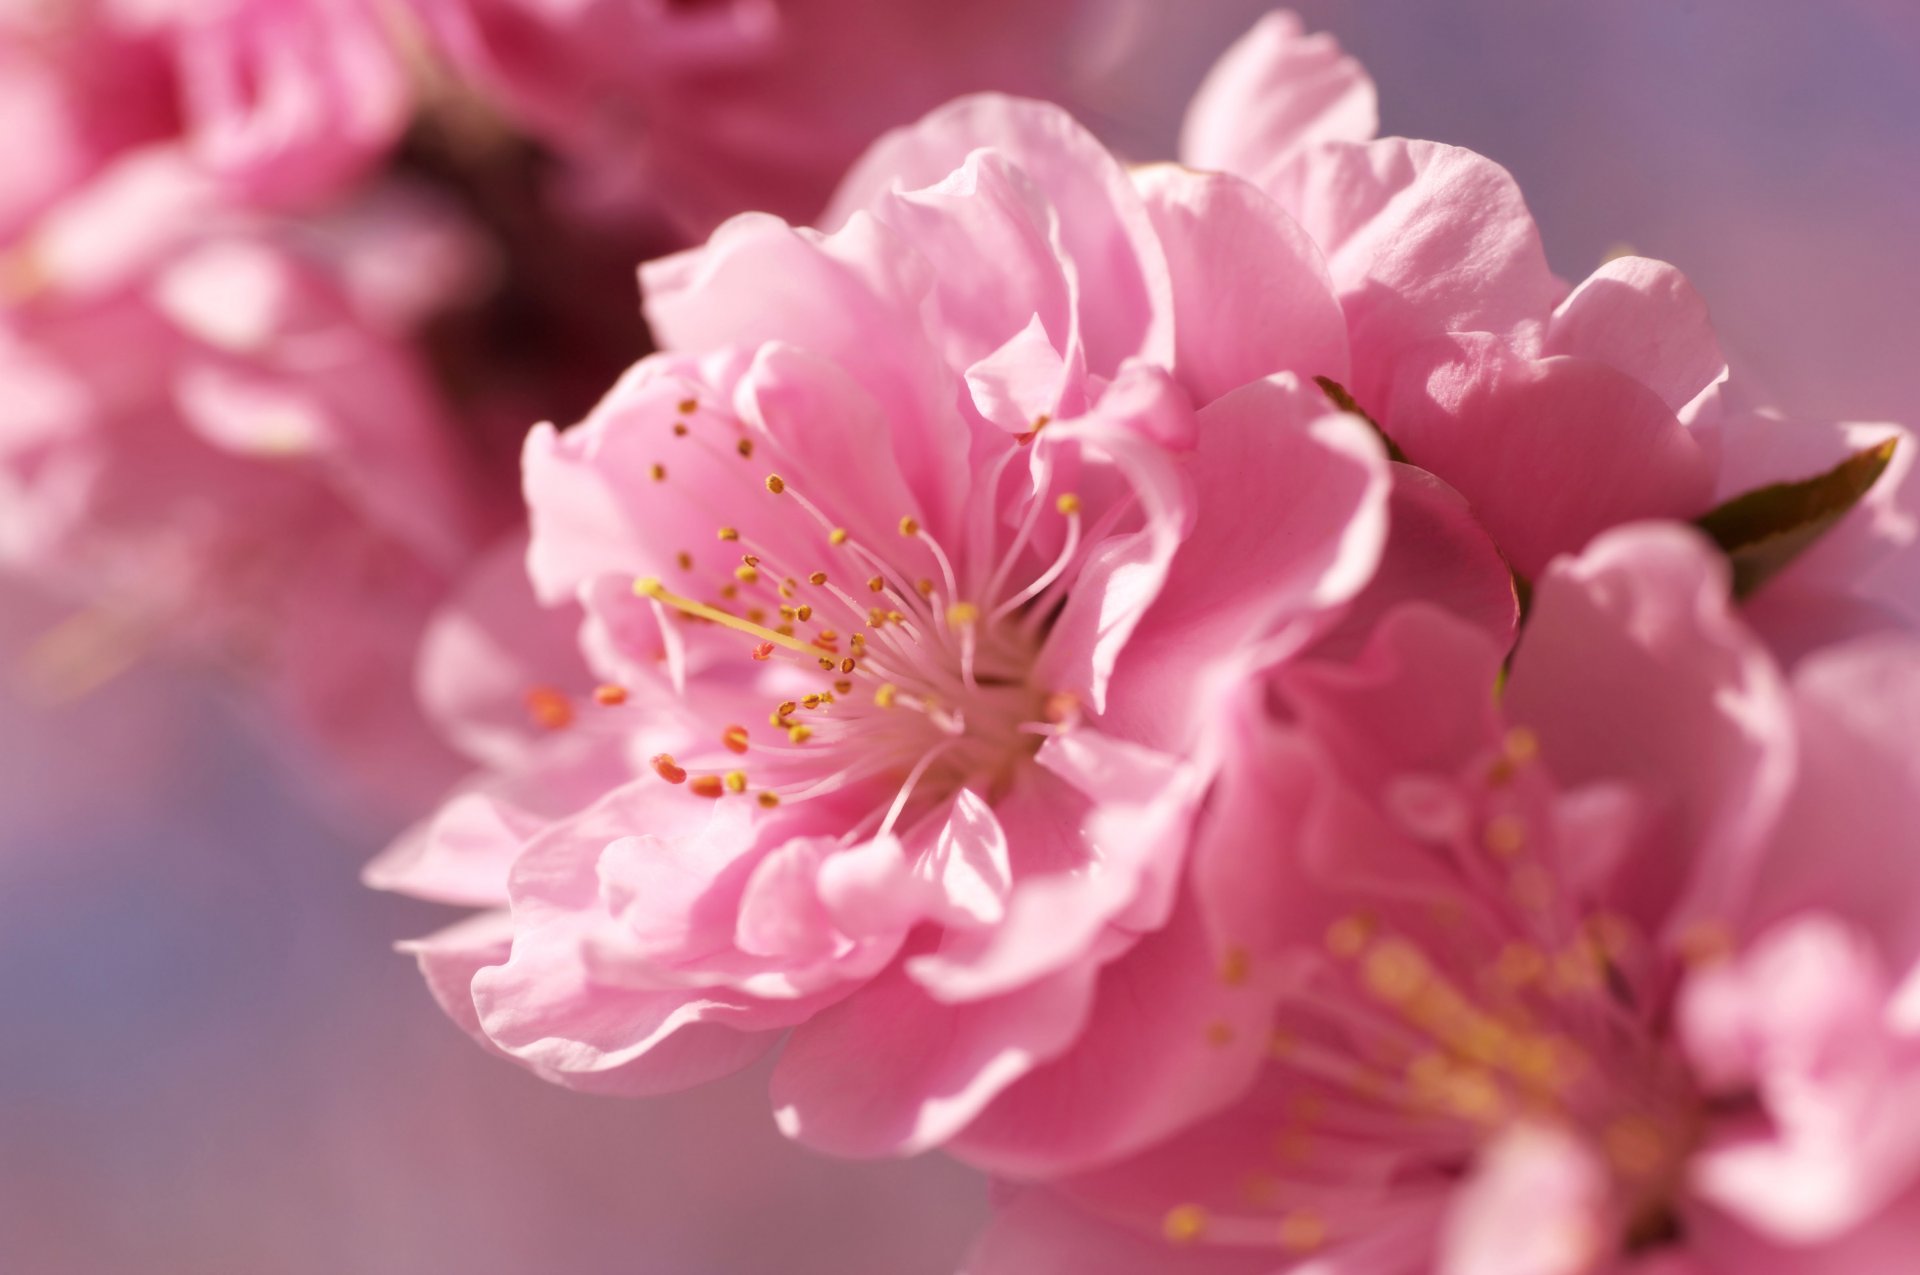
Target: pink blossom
915, 569
1611, 973
702, 110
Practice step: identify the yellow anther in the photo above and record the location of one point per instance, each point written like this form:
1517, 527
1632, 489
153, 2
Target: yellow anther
896, 618
962, 613
650, 587
685, 560
1347, 936
802, 613
883, 695
813, 701
843, 686
818, 577
847, 665
658, 472
1394, 970
1634, 1146
757, 614
799, 733
1068, 504
751, 559
775, 483
746, 574
1522, 745
1520, 964
1184, 1223
688, 406
837, 537
768, 800
925, 587
745, 448
909, 526
679, 429
1302, 1231
876, 584
787, 708
1235, 964
1505, 835
736, 781
1706, 942
826, 665
729, 533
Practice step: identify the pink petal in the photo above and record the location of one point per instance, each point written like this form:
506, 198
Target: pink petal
1635, 667
1844, 843
1292, 508
853, 298
1806, 1005
1420, 239
1537, 1203
1038, 1233
1170, 1041
1251, 293
1549, 452
924, 1069
1643, 318
1437, 553
1274, 92
1105, 237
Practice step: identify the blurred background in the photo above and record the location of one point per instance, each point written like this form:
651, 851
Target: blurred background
212, 1061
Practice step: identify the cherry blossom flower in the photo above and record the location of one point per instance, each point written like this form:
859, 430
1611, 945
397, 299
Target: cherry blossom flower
701, 110
913, 570
1611, 973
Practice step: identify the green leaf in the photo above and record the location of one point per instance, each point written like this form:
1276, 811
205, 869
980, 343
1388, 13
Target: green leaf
1763, 530
1337, 394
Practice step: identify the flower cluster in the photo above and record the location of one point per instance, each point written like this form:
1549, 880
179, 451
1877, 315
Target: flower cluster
1223, 693
1226, 694
284, 282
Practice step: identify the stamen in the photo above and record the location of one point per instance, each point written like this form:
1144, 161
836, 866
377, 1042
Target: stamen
664, 767
650, 587
610, 695
549, 708
706, 786
735, 739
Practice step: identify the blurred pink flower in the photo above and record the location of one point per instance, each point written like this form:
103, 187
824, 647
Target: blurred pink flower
914, 569
702, 110
1612, 974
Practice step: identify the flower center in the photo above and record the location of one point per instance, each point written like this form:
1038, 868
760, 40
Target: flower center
1453, 1007
899, 672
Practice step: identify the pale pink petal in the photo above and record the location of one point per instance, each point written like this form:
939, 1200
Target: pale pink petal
923, 1069
1120, 577
1634, 667
1844, 844
1292, 505
760, 280
1251, 293
1536, 1204
1275, 91
1420, 239
1806, 1005
1170, 1040
1437, 553
1549, 452
1643, 318
1105, 236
